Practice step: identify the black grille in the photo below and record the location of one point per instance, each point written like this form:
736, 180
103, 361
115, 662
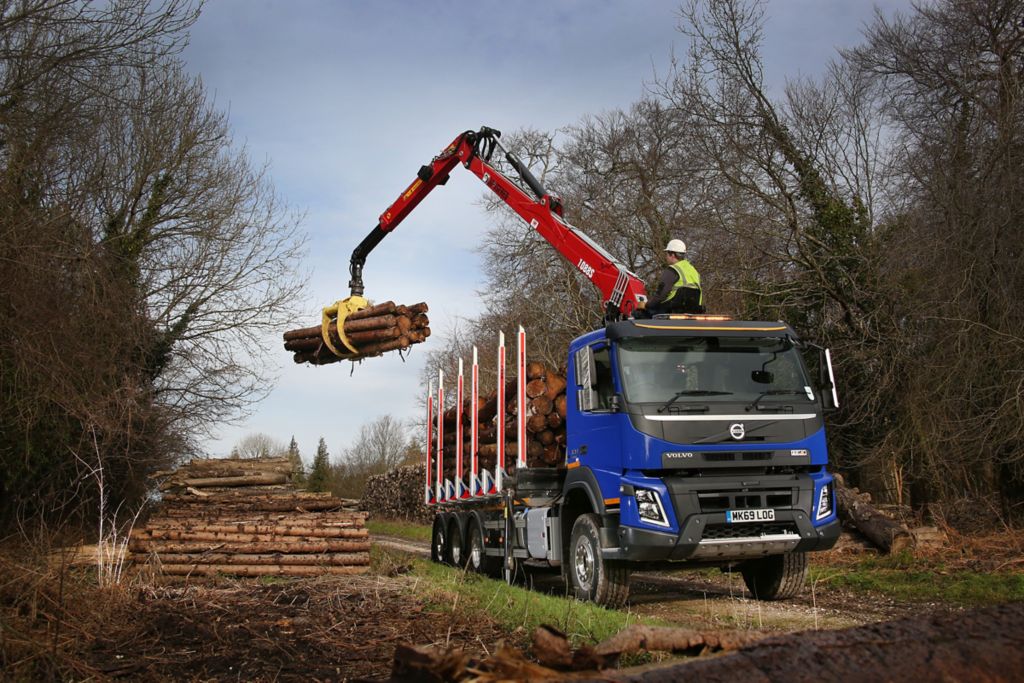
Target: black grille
725, 531
730, 456
745, 500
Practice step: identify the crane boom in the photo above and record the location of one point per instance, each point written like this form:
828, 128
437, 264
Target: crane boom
621, 290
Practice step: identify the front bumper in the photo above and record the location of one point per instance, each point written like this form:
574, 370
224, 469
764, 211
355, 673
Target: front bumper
706, 537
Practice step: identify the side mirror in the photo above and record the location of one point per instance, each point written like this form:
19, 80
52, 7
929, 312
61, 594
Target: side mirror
829, 397
762, 376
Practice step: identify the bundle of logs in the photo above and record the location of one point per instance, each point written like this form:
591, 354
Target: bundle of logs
216, 524
545, 425
397, 494
370, 331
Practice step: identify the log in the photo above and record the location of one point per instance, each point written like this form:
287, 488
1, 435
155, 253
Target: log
371, 311
359, 339
553, 454
259, 506
238, 496
554, 386
535, 388
541, 405
246, 480
889, 536
256, 570
282, 530
536, 423
561, 405
262, 464
554, 420
244, 558
185, 535
143, 545
535, 370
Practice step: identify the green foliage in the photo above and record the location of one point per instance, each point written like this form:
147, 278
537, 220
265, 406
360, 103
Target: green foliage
320, 474
298, 468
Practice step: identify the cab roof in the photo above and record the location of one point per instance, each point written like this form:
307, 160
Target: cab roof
698, 326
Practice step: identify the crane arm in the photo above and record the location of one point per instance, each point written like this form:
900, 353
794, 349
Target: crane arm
621, 290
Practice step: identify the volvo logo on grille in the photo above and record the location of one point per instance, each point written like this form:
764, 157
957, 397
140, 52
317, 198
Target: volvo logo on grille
737, 431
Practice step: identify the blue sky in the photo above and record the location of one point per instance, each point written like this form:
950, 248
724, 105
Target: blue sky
345, 100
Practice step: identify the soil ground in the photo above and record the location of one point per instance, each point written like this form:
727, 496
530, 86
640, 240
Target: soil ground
332, 629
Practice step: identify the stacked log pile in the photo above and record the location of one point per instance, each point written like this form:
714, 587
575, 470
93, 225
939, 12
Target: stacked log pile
220, 524
397, 494
545, 425
371, 331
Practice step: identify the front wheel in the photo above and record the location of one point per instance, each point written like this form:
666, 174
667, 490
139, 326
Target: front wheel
778, 577
591, 577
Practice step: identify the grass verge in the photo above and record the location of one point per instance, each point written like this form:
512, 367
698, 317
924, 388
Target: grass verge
517, 609
399, 529
904, 577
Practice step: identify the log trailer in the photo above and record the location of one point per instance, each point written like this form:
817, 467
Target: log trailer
690, 440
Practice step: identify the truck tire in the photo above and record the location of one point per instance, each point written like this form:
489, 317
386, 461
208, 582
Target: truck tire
778, 577
590, 576
455, 555
438, 543
477, 558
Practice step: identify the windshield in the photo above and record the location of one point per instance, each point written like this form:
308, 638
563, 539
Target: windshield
712, 369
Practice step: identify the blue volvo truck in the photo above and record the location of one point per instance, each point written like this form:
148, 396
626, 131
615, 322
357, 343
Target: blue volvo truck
690, 441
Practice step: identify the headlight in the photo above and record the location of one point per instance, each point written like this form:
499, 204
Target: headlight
824, 502
648, 505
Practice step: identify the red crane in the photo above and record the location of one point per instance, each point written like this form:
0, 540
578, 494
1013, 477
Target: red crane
621, 290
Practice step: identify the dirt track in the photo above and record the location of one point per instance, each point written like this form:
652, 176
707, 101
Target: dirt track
719, 601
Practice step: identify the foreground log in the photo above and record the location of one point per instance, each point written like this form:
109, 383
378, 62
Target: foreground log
887, 534
983, 644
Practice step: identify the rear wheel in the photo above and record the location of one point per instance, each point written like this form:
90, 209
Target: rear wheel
477, 558
778, 577
455, 555
438, 544
591, 577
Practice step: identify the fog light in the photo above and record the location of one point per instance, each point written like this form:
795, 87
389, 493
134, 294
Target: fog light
824, 502
648, 505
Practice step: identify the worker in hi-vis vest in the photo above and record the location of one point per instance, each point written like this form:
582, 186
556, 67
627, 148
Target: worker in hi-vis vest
678, 290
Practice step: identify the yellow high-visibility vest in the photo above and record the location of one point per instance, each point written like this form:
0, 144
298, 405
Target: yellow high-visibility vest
687, 277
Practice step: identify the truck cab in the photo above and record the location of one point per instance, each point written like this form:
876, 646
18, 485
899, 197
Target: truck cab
695, 440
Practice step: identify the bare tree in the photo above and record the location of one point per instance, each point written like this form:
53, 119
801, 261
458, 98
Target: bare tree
951, 74
142, 258
259, 445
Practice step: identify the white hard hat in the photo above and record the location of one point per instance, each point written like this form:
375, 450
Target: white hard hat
678, 246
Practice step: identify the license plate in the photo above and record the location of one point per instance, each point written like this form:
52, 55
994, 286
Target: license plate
737, 516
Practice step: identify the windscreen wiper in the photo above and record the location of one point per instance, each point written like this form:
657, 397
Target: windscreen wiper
691, 392
774, 392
